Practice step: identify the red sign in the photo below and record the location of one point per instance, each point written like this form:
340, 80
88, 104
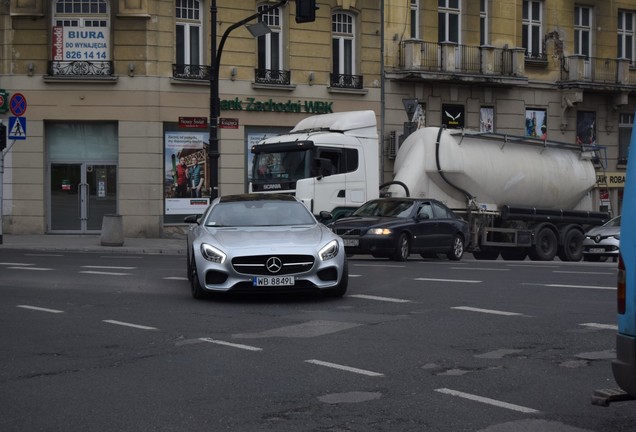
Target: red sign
18, 104
193, 122
228, 123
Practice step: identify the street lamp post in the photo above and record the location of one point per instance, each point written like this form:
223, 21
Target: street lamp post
215, 103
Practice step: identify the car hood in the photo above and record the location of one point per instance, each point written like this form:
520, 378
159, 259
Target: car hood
266, 237
367, 221
604, 231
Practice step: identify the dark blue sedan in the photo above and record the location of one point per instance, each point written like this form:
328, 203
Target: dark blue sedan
396, 227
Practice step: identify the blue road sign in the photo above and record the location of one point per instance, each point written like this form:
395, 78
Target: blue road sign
17, 128
18, 104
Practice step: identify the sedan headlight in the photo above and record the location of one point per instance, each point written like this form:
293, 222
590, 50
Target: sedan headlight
329, 251
380, 231
213, 254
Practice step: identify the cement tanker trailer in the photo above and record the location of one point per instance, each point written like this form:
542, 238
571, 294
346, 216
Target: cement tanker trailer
521, 196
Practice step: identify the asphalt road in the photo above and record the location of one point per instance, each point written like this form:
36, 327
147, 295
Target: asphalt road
94, 342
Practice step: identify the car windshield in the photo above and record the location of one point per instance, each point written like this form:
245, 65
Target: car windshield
387, 208
616, 222
259, 213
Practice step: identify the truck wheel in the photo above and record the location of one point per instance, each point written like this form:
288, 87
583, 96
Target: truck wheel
572, 248
485, 255
457, 251
514, 254
545, 247
402, 248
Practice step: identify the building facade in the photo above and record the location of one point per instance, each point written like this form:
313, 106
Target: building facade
557, 69
112, 101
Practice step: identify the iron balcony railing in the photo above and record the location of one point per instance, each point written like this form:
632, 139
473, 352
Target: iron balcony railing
594, 70
272, 76
449, 57
344, 81
81, 68
189, 71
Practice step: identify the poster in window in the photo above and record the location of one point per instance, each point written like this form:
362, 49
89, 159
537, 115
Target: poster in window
453, 116
486, 119
536, 123
586, 128
186, 189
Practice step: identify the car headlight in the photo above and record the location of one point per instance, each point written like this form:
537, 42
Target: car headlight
213, 254
329, 251
380, 231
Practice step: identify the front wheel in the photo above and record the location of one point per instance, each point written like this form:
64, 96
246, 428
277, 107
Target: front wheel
341, 289
402, 248
457, 251
195, 286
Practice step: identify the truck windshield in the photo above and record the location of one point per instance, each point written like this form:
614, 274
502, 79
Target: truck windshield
282, 165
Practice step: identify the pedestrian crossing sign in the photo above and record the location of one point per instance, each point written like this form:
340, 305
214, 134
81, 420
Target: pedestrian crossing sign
17, 128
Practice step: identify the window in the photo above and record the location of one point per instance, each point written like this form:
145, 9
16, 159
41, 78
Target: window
188, 32
625, 125
415, 19
626, 25
270, 46
582, 31
484, 24
81, 34
343, 34
448, 21
531, 28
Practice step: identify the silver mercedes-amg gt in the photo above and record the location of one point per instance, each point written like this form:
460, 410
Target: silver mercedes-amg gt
263, 243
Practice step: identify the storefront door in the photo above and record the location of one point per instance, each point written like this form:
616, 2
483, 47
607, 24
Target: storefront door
80, 195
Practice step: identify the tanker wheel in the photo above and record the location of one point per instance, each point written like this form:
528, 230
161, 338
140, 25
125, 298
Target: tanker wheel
545, 247
517, 254
485, 255
572, 247
402, 248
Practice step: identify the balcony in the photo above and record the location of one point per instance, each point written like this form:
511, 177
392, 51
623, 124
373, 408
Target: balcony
448, 61
272, 77
343, 81
597, 74
80, 69
191, 72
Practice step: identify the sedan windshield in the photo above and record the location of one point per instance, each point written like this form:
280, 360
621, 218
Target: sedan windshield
259, 213
387, 208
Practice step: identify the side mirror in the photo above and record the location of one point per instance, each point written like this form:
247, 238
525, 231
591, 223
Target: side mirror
423, 216
191, 219
322, 167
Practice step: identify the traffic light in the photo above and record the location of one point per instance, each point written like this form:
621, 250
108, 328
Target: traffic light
3, 137
305, 11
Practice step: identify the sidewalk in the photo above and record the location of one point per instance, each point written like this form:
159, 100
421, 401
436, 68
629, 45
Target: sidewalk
92, 243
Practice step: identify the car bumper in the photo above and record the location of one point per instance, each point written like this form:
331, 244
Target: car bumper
223, 278
380, 245
624, 366
608, 250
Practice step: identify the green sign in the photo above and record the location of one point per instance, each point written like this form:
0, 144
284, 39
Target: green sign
4, 101
289, 106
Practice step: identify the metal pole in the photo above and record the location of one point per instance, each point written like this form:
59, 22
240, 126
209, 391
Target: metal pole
215, 103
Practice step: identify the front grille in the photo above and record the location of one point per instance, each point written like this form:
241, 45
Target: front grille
348, 231
257, 264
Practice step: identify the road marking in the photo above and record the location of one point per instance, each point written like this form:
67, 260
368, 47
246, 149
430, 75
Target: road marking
35, 308
109, 267
480, 269
104, 273
386, 299
530, 265
601, 326
15, 264
489, 311
230, 344
31, 268
344, 368
584, 273
176, 278
488, 401
571, 286
448, 280
42, 255
354, 275
138, 326
379, 265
